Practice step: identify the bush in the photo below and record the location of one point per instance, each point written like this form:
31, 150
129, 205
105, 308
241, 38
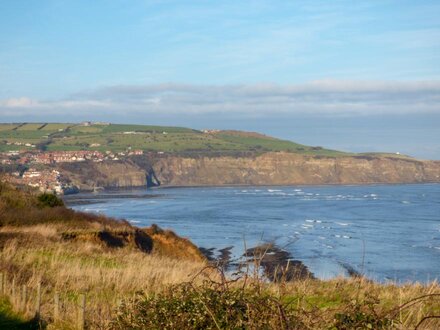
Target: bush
207, 307
49, 200
362, 316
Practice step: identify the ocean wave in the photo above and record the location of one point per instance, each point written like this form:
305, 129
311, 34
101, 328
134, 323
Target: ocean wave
313, 221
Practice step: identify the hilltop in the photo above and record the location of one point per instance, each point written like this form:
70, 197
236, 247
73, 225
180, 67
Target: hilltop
118, 138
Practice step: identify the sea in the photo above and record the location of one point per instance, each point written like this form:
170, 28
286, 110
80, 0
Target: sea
385, 232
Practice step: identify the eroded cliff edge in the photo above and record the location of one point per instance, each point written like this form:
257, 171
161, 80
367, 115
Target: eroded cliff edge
275, 168
287, 168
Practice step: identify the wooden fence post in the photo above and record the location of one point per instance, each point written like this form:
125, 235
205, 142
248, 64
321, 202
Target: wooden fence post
38, 302
13, 297
1, 284
23, 298
82, 312
56, 309
5, 284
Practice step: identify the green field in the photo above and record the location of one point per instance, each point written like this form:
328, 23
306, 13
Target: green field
117, 138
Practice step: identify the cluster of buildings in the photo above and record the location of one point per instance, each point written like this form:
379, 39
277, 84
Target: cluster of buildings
47, 179
26, 144
53, 157
44, 180
64, 157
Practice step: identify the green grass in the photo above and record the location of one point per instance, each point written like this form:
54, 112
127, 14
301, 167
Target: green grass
117, 138
7, 127
30, 127
55, 127
13, 321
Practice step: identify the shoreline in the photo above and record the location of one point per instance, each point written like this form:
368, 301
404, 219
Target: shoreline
110, 189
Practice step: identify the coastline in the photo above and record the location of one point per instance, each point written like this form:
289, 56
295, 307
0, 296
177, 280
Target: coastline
110, 189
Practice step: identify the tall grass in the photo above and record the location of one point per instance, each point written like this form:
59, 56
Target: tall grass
104, 275
252, 303
170, 286
205, 297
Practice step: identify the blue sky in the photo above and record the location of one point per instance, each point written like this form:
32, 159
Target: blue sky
352, 75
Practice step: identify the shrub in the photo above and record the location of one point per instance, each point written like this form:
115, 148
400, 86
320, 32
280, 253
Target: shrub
49, 200
362, 316
186, 306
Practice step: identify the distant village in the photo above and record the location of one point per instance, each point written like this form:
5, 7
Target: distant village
50, 180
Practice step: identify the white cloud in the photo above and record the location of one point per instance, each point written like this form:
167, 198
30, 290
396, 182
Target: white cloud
21, 102
317, 97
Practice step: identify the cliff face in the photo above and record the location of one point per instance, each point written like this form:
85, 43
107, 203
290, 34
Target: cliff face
287, 168
276, 168
90, 175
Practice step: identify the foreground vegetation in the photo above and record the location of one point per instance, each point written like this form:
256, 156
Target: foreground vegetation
149, 278
305, 304
11, 320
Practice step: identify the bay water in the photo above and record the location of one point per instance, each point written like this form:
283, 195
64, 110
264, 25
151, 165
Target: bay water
386, 232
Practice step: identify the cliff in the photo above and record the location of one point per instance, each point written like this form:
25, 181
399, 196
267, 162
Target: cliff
275, 168
111, 174
282, 168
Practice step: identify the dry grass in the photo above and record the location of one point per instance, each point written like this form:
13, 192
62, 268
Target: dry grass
339, 304
104, 275
46, 231
73, 253
107, 275
342, 295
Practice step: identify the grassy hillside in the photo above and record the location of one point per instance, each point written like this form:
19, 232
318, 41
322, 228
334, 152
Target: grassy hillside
152, 279
118, 138
74, 253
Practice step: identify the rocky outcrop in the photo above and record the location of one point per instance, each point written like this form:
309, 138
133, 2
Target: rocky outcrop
288, 168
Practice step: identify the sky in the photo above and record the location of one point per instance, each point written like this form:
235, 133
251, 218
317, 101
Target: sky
349, 75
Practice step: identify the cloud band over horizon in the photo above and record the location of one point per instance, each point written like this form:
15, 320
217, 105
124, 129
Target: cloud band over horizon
323, 97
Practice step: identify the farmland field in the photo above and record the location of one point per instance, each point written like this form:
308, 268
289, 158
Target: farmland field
118, 138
